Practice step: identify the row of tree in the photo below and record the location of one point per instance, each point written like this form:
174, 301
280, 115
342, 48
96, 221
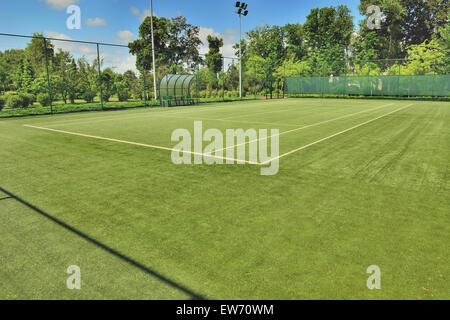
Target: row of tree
25, 71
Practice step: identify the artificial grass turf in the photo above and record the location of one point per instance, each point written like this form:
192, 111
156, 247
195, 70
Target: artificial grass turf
376, 195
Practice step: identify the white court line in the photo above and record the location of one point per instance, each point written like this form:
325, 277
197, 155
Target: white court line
143, 114
334, 135
213, 156
227, 120
308, 126
139, 144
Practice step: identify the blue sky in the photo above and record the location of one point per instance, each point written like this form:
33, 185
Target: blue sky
117, 21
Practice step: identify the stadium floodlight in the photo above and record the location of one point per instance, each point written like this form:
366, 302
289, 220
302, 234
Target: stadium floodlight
241, 11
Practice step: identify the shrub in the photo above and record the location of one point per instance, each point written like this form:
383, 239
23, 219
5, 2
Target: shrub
44, 99
14, 101
27, 99
123, 91
89, 95
2, 102
106, 95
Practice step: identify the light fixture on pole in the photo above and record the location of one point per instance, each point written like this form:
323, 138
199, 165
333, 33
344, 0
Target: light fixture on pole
242, 10
153, 50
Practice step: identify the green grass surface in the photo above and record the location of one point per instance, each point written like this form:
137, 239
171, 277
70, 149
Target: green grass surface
141, 227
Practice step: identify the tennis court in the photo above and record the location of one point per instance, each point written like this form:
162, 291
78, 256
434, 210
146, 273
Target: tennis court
360, 183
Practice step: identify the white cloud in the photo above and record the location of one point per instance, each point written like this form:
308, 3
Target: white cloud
126, 36
97, 22
119, 59
129, 63
141, 15
60, 4
80, 49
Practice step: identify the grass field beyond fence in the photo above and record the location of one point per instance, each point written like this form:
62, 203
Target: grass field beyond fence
363, 182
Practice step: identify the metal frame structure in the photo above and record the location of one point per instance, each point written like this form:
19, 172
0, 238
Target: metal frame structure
175, 90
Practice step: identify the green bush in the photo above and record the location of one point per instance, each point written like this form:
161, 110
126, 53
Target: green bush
106, 95
27, 99
89, 95
2, 102
44, 99
123, 94
14, 101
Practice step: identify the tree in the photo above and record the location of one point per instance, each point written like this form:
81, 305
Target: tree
214, 59
176, 42
328, 32
36, 51
108, 88
60, 67
184, 42
295, 40
4, 76
389, 46
121, 87
24, 75
444, 40
328, 26
232, 78
424, 59
266, 42
422, 19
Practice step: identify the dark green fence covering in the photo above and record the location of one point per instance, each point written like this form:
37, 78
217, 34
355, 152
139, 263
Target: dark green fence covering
432, 85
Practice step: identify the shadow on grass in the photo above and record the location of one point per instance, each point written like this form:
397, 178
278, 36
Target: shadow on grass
112, 251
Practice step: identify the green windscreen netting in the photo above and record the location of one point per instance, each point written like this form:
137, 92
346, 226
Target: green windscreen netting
434, 85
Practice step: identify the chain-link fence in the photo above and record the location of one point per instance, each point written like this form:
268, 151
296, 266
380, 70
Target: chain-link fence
391, 77
41, 75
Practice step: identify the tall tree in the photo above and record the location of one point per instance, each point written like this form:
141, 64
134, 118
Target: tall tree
390, 34
268, 43
328, 32
25, 75
295, 40
176, 42
214, 59
422, 19
36, 51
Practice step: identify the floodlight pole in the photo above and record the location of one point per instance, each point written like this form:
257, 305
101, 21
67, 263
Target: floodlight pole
153, 50
240, 58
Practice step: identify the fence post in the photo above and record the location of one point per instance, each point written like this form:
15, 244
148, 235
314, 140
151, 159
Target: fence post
323, 77
196, 81
256, 80
223, 80
145, 87
100, 75
48, 76
345, 77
